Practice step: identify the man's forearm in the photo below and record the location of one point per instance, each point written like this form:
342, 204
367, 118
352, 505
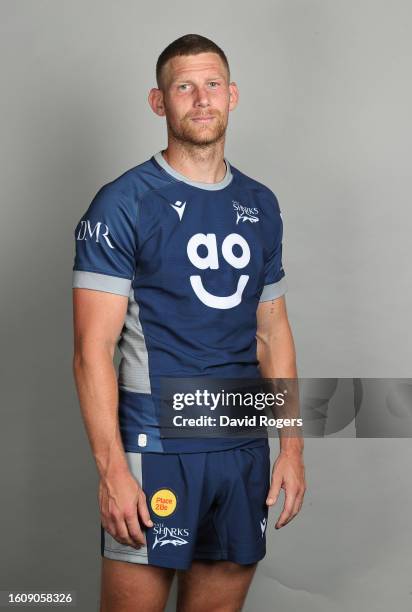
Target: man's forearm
97, 388
277, 360
276, 353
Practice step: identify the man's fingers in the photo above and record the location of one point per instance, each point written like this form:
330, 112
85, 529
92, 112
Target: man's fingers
143, 510
298, 502
273, 492
286, 514
124, 513
134, 529
292, 506
295, 510
119, 531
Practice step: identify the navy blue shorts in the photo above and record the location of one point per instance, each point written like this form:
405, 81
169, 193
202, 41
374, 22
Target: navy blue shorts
208, 505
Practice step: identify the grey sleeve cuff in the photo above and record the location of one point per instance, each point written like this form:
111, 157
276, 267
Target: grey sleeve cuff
274, 290
101, 282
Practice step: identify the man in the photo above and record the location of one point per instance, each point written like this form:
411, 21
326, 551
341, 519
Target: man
181, 257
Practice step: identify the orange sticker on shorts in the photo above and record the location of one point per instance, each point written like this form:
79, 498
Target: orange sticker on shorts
163, 502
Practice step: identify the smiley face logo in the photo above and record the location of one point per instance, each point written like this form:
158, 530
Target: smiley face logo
211, 260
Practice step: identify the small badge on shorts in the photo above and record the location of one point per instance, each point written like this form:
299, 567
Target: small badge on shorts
163, 502
142, 439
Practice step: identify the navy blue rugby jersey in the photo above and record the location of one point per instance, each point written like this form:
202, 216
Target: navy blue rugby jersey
194, 259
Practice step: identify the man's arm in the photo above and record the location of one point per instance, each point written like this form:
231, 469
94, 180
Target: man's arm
98, 318
277, 359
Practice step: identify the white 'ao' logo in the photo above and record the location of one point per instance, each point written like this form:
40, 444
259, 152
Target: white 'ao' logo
211, 260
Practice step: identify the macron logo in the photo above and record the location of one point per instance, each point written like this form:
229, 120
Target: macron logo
179, 208
263, 526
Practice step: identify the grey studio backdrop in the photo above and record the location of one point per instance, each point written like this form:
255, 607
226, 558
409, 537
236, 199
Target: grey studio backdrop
324, 121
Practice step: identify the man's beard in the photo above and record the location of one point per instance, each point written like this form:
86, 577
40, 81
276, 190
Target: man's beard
197, 134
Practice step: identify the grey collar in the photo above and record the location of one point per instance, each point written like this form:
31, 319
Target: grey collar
180, 177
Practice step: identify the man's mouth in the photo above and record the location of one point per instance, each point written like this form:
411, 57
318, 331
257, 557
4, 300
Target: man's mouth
203, 119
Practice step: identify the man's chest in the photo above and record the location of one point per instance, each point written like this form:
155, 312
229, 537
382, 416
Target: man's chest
212, 247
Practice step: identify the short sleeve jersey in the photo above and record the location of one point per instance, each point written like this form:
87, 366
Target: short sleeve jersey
194, 260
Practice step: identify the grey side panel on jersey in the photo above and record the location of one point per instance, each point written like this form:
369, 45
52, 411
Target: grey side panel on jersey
101, 282
274, 290
134, 365
114, 549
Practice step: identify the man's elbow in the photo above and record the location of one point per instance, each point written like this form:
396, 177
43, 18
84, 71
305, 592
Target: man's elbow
89, 353
276, 353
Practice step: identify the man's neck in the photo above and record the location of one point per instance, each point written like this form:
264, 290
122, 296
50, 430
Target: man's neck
197, 163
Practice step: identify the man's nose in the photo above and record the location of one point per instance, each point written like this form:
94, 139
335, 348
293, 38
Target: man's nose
202, 97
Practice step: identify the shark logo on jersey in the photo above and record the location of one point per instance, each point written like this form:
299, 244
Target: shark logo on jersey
211, 260
85, 229
179, 208
244, 213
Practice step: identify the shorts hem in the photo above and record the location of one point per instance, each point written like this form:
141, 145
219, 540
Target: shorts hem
167, 562
224, 555
117, 555
144, 560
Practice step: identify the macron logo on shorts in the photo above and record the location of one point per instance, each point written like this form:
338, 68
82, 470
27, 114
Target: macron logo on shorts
263, 526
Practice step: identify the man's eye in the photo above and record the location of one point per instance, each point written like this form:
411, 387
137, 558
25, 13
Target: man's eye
183, 85
215, 83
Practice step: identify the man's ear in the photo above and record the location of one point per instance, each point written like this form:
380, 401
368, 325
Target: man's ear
233, 95
155, 99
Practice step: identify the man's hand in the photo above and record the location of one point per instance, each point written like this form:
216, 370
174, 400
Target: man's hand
123, 508
289, 474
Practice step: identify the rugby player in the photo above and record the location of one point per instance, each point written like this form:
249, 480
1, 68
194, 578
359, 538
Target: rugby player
179, 263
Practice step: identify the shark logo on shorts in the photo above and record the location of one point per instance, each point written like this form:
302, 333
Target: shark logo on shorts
163, 541
169, 535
